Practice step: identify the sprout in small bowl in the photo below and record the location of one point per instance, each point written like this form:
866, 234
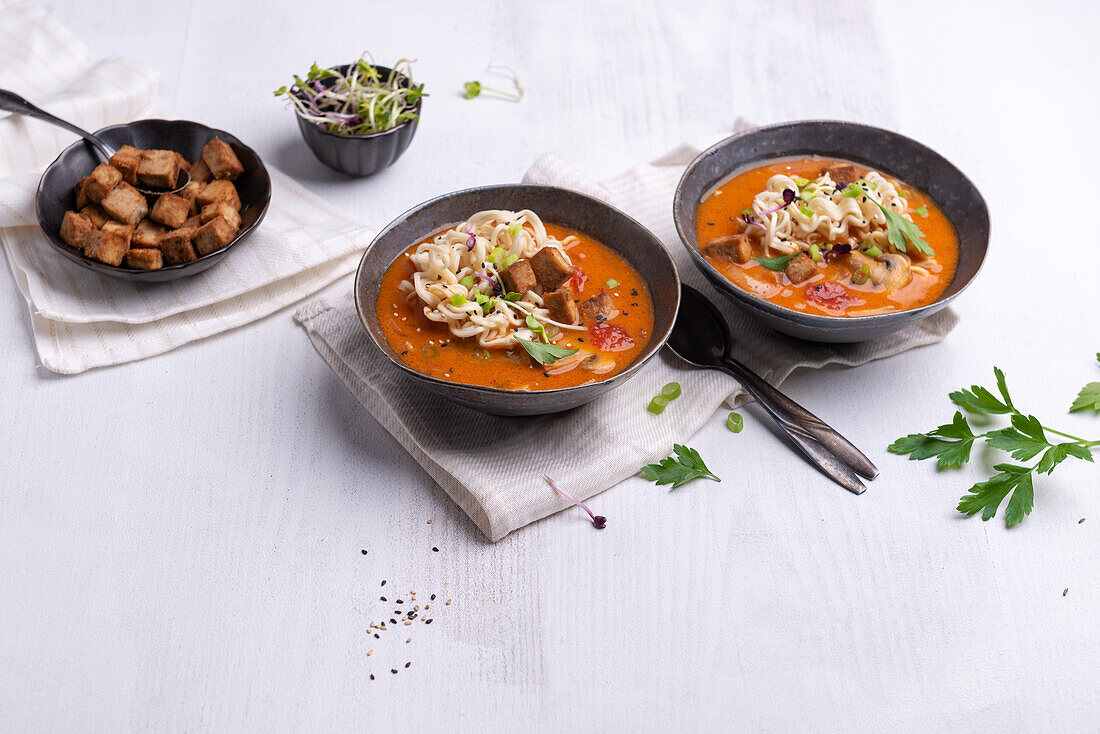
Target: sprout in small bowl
357, 118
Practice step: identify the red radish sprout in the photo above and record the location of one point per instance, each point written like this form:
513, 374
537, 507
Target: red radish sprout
598, 520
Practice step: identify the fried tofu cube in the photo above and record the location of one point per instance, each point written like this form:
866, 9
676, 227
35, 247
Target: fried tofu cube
125, 204
597, 307
81, 189
219, 191
841, 173
76, 229
518, 277
102, 181
551, 268
223, 210
95, 215
799, 268
200, 172
170, 210
221, 160
177, 247
191, 193
184, 164
124, 231
148, 234
107, 247
140, 258
159, 169
561, 305
735, 247
126, 162
213, 236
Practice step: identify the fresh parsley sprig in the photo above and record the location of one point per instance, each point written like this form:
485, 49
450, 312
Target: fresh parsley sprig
678, 470
1024, 439
899, 229
1089, 397
545, 353
775, 263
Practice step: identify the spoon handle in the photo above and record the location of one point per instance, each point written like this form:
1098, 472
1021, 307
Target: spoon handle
12, 102
797, 420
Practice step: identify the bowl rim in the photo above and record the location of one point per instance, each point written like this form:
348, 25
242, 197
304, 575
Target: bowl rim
365, 136
809, 319
104, 268
656, 342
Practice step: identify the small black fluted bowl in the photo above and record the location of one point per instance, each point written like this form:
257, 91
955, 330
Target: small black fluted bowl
636, 244
359, 155
883, 150
56, 193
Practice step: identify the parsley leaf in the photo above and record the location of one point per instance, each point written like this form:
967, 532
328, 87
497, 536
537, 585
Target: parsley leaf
775, 263
949, 443
686, 465
1087, 399
987, 496
899, 229
545, 353
980, 400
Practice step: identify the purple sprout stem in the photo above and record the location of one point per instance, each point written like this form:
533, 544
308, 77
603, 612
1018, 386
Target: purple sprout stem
471, 240
597, 520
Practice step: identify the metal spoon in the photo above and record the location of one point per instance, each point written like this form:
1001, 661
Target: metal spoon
702, 338
12, 102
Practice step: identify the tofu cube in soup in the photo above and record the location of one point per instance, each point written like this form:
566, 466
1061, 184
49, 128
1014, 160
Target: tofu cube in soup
200, 173
140, 258
842, 173
126, 162
561, 306
223, 210
219, 191
102, 181
597, 307
148, 234
177, 247
95, 215
551, 268
76, 229
125, 232
81, 189
106, 247
735, 247
518, 277
171, 210
159, 169
213, 236
125, 204
800, 268
221, 160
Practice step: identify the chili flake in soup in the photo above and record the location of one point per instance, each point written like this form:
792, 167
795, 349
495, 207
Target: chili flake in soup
828, 237
504, 300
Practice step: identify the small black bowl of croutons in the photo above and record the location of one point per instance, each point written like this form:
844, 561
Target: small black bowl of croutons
92, 211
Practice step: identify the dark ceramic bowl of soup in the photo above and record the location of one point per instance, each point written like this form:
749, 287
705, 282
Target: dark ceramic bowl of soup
613, 259
808, 253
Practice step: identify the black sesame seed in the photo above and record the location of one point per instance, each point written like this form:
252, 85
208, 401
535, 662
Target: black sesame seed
376, 636
393, 621
399, 601
427, 621
393, 670
382, 598
433, 597
372, 676
408, 663
580, 338
434, 549
364, 551
383, 582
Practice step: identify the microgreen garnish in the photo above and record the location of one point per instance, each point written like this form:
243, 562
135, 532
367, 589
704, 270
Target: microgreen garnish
746, 212
475, 88
1024, 439
359, 101
678, 470
1088, 398
598, 520
834, 251
899, 229
471, 239
545, 353
788, 199
775, 263
537, 326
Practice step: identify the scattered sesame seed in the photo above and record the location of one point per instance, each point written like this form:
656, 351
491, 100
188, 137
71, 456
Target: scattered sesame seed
399, 601
433, 597
1065, 591
383, 582
448, 602
376, 636
429, 522
427, 621
434, 549
364, 551
408, 663
408, 640
1080, 521
372, 676
407, 623
382, 598
393, 670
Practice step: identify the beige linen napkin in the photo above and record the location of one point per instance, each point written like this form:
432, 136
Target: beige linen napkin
81, 319
499, 483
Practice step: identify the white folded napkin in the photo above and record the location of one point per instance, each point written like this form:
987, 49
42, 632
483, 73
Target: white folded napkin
499, 483
81, 319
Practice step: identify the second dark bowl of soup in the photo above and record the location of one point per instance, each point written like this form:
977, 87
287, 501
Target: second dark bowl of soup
506, 382
832, 299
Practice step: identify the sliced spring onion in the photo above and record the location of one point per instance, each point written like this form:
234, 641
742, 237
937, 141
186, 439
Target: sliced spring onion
510, 260
860, 276
482, 353
922, 211
458, 299
873, 252
802, 182
512, 296
671, 391
806, 211
496, 255
468, 281
612, 283
815, 253
429, 351
735, 422
657, 405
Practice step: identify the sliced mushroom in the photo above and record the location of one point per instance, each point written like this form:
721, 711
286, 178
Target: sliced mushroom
896, 269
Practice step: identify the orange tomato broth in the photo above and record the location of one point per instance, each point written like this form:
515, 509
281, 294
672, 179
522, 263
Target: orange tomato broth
719, 215
429, 347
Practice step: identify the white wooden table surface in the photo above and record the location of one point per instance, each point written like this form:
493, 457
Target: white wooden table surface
180, 538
